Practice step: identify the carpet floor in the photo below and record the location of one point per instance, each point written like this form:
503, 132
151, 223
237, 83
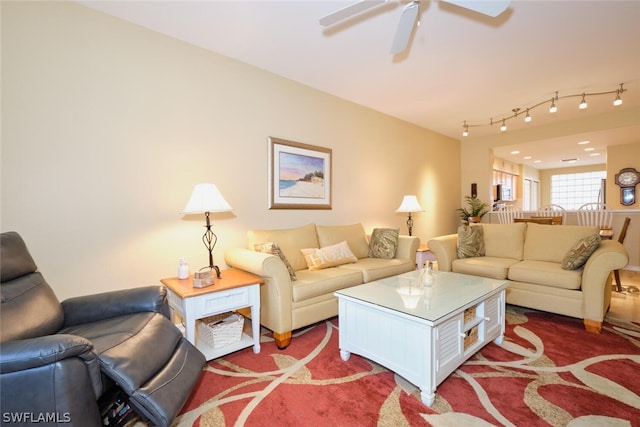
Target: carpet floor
547, 372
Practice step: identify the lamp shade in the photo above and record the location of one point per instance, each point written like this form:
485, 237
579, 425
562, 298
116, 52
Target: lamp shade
206, 198
410, 204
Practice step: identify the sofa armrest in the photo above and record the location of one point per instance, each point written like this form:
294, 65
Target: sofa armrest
275, 294
90, 308
596, 277
407, 247
445, 250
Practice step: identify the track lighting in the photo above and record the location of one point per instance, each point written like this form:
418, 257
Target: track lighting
618, 100
583, 103
552, 108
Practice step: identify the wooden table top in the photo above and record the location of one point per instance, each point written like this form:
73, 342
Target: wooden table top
231, 278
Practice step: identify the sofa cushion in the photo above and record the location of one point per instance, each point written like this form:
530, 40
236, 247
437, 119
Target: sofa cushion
384, 243
545, 273
378, 268
580, 252
504, 240
328, 256
492, 267
470, 242
273, 249
551, 243
354, 235
316, 283
290, 241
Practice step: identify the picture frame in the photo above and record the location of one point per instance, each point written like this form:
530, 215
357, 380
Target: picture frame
299, 175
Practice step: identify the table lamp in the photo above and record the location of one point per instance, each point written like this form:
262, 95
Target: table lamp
206, 198
410, 204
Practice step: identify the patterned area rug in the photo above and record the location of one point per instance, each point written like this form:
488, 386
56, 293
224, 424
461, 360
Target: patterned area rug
547, 372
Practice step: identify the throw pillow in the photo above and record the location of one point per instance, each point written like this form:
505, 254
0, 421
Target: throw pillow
273, 249
580, 252
384, 243
329, 256
470, 241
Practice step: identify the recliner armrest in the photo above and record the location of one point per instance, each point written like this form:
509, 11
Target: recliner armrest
31, 353
90, 308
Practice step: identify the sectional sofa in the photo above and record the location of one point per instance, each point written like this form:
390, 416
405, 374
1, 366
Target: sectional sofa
532, 256
297, 291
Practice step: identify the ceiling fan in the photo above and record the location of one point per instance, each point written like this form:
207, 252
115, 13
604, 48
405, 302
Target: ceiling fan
410, 13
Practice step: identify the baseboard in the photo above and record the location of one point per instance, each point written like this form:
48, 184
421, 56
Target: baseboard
632, 268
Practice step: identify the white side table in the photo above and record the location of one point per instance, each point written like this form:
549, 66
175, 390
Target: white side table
235, 290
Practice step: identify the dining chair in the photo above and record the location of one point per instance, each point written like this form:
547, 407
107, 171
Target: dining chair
623, 234
507, 215
553, 210
597, 214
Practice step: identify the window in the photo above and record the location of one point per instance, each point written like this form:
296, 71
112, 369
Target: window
573, 190
530, 195
526, 195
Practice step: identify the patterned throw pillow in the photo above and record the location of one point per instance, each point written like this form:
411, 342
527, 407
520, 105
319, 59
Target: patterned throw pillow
329, 256
580, 252
384, 243
470, 241
273, 249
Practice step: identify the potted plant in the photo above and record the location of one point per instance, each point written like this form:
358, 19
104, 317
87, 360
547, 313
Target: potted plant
474, 211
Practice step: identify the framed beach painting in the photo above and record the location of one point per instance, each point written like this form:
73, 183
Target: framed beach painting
299, 175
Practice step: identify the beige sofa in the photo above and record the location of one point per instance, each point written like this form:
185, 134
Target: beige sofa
287, 305
530, 255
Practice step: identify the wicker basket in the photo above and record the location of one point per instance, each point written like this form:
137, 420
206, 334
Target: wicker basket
469, 314
471, 337
221, 330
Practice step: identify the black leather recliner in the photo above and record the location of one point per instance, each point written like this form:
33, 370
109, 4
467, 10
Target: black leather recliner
57, 359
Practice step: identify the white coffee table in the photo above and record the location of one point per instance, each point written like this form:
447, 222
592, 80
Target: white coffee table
422, 334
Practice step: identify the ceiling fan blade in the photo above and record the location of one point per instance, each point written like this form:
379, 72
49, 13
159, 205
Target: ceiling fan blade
491, 8
349, 11
405, 27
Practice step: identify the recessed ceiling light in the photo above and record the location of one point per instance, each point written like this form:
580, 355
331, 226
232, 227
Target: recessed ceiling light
515, 152
584, 142
527, 157
589, 149
537, 161
594, 154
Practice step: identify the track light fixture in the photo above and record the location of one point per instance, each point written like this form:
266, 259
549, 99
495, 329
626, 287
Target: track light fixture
583, 103
552, 108
618, 100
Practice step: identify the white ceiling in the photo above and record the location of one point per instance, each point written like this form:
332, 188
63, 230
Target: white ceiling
460, 65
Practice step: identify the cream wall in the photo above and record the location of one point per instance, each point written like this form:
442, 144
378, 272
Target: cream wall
477, 152
106, 127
